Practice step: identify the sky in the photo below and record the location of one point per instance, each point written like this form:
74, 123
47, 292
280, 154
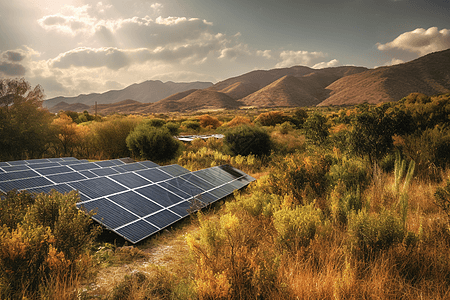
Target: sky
73, 47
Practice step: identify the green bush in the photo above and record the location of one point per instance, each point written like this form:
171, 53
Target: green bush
51, 240
316, 128
173, 127
155, 122
109, 137
297, 227
442, 198
194, 125
371, 233
152, 143
13, 207
245, 140
430, 150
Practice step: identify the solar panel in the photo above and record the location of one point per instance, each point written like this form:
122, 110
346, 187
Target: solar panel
133, 199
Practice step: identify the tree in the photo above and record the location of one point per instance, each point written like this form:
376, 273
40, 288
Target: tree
372, 132
25, 127
316, 128
245, 140
152, 143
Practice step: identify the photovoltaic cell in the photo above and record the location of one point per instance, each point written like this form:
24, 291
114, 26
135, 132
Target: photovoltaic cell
54, 170
108, 213
174, 190
43, 165
174, 170
149, 164
104, 171
97, 187
135, 203
137, 231
197, 181
130, 180
66, 177
134, 199
88, 174
185, 186
154, 175
181, 208
163, 218
85, 166
159, 195
18, 175
16, 168
133, 167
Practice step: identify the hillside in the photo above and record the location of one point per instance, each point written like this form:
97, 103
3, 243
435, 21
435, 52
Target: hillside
146, 92
429, 75
197, 100
295, 86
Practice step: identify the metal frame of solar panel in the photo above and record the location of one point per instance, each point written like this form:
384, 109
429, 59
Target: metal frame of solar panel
134, 200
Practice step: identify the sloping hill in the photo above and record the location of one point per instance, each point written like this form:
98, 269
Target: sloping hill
78, 107
199, 99
429, 75
146, 92
286, 91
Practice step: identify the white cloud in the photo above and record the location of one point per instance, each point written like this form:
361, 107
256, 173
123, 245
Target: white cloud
292, 58
420, 41
264, 53
331, 63
394, 61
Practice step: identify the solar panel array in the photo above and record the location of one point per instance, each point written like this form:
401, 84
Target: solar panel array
135, 200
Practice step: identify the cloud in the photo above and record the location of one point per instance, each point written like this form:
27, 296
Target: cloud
292, 58
420, 41
264, 53
14, 56
111, 58
394, 61
331, 63
12, 69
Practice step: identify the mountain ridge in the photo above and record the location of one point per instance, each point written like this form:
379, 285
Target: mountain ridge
304, 86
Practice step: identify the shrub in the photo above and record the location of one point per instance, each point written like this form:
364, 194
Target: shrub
239, 120
371, 233
155, 122
297, 227
194, 125
316, 128
300, 176
206, 121
13, 207
430, 150
270, 118
245, 140
442, 198
109, 137
174, 128
286, 127
152, 143
50, 242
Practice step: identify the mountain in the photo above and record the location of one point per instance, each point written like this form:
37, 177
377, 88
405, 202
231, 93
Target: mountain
79, 107
197, 100
429, 74
295, 86
146, 92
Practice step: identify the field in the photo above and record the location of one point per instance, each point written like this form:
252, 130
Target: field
349, 203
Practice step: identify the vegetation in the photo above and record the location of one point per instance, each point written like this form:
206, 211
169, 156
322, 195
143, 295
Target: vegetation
350, 203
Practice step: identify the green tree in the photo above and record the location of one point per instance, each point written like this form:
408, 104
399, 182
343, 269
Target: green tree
25, 127
245, 140
152, 143
316, 128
